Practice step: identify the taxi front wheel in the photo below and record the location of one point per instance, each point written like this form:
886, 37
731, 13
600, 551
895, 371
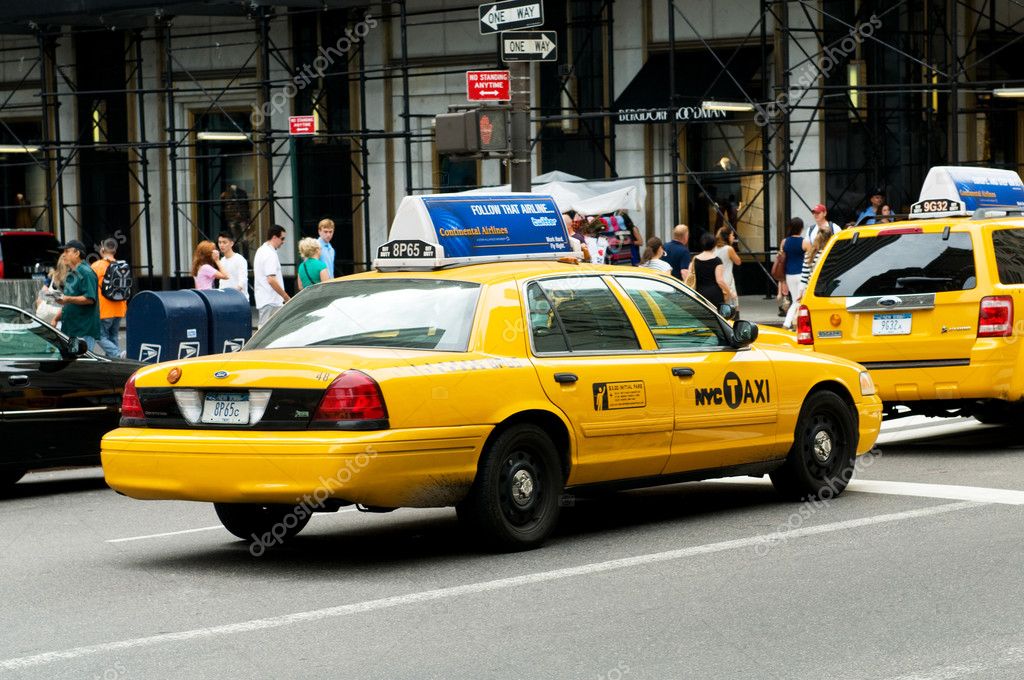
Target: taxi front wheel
821, 462
263, 525
513, 503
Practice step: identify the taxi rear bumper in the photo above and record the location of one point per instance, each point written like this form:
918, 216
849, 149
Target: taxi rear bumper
423, 467
980, 377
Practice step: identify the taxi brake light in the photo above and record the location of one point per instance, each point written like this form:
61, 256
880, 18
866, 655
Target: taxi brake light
353, 401
901, 230
131, 407
804, 334
995, 316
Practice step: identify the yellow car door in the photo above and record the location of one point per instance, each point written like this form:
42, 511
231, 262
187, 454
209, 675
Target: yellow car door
726, 398
590, 363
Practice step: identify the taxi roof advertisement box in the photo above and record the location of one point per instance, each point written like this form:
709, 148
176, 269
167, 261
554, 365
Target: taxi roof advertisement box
470, 229
974, 187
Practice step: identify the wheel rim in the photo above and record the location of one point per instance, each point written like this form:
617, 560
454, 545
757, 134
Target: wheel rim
825, 442
521, 488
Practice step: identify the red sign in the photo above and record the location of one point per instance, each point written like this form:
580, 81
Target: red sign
488, 86
302, 125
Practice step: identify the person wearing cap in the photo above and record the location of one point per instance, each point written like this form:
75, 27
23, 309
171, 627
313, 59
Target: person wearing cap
820, 215
80, 317
874, 210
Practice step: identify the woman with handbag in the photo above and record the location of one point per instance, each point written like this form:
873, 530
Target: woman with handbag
792, 251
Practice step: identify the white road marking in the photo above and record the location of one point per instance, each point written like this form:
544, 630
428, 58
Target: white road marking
195, 531
458, 591
913, 428
976, 494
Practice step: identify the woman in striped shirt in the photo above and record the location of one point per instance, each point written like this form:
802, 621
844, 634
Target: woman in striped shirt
812, 252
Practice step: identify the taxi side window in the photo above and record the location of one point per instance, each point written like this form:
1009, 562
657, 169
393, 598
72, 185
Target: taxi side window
676, 320
1008, 245
577, 314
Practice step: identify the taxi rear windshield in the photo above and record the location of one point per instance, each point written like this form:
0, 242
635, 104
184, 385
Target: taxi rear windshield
894, 264
394, 313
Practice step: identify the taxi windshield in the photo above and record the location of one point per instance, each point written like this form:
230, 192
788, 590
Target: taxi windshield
897, 264
393, 313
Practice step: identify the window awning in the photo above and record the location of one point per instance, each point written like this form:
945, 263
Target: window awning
698, 77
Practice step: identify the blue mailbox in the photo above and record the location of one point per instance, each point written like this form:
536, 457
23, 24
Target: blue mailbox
167, 325
230, 319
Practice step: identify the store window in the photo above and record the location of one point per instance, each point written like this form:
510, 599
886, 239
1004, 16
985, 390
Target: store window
22, 177
225, 162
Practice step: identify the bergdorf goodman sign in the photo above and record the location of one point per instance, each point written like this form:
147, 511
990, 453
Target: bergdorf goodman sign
683, 114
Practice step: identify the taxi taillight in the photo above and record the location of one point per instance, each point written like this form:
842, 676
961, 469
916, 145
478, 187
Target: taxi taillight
804, 333
353, 401
995, 316
131, 406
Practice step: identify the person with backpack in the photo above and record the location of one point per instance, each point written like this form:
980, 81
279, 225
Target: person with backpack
115, 287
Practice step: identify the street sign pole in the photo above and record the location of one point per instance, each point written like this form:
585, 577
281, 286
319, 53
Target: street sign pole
519, 169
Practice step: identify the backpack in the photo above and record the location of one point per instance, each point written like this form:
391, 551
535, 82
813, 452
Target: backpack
117, 281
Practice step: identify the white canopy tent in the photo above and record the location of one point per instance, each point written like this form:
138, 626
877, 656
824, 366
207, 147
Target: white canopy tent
590, 197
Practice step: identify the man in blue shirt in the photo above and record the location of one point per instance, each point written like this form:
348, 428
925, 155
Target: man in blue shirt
872, 212
326, 231
677, 253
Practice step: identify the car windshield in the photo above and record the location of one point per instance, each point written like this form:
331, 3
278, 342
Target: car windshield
393, 313
897, 264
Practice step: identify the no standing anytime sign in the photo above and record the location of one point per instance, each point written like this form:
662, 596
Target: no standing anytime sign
488, 86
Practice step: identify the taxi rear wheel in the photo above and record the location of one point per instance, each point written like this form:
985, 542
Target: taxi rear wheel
820, 463
267, 525
513, 503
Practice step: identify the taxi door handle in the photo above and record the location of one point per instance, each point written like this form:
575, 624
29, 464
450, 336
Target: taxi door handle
565, 378
18, 381
682, 371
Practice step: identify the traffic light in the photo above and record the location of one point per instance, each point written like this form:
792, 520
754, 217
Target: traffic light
474, 131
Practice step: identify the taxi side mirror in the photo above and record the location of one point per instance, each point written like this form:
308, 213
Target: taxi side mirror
743, 333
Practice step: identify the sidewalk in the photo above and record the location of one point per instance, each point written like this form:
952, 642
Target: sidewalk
759, 310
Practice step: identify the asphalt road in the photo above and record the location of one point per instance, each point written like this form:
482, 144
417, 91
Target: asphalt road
914, 573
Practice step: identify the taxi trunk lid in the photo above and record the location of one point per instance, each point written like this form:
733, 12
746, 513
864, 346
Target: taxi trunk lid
897, 298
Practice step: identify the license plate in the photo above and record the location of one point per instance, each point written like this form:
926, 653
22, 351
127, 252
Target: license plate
891, 324
226, 409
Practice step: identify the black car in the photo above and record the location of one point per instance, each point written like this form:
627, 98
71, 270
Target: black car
57, 400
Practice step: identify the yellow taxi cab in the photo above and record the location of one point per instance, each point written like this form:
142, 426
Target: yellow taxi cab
927, 303
477, 366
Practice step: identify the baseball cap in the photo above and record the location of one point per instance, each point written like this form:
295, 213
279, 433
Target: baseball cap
818, 208
877, 191
76, 244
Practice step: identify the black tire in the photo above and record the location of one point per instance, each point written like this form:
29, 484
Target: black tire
996, 412
264, 524
513, 503
10, 476
824, 450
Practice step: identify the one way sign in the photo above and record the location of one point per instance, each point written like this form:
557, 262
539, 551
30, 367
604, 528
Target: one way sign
529, 46
510, 14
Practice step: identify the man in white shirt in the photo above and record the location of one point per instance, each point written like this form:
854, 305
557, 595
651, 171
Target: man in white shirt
325, 231
234, 264
268, 282
820, 215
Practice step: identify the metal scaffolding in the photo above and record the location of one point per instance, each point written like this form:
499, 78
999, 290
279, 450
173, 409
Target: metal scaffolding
924, 79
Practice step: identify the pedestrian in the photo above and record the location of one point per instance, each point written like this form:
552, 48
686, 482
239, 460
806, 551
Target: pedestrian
206, 265
709, 279
652, 256
873, 212
312, 270
820, 215
325, 230
576, 232
725, 251
80, 316
677, 251
233, 264
268, 281
793, 247
115, 276
812, 252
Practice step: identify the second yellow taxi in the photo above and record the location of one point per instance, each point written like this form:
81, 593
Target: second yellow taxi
479, 367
